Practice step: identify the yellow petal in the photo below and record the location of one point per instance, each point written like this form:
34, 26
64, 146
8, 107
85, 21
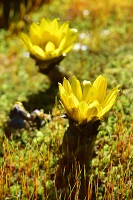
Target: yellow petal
91, 95
75, 115
66, 50
46, 38
64, 27
57, 53
54, 26
91, 114
83, 107
72, 33
101, 85
86, 87
68, 40
38, 52
65, 102
68, 101
102, 90
49, 47
45, 24
111, 96
73, 101
61, 89
93, 110
45, 31
64, 96
71, 36
67, 86
62, 43
35, 34
76, 87
26, 41
109, 101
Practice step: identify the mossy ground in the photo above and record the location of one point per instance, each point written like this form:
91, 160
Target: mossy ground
28, 159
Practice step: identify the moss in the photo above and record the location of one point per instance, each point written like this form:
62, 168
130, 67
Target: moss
29, 158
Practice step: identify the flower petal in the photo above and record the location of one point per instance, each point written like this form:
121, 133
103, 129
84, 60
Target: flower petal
38, 52
93, 110
35, 34
109, 101
49, 47
75, 115
64, 27
54, 26
45, 25
67, 86
86, 87
26, 42
83, 107
101, 85
68, 40
91, 95
73, 101
61, 89
76, 87
111, 96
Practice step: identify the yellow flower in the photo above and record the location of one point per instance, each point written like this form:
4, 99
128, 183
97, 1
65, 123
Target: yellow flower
86, 102
49, 39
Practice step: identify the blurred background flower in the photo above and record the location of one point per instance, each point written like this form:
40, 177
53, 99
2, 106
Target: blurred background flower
49, 40
86, 102
48, 43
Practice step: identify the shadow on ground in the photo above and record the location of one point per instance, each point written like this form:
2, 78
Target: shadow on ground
42, 100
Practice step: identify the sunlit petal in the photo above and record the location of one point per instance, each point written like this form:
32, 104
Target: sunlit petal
110, 97
83, 107
26, 41
73, 101
36, 50
67, 86
76, 115
101, 85
76, 87
109, 101
35, 34
45, 24
50, 47
54, 25
91, 94
86, 87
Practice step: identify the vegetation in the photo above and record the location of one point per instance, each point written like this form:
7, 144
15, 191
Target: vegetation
29, 157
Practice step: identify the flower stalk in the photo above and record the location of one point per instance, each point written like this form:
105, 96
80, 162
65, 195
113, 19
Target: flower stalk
78, 142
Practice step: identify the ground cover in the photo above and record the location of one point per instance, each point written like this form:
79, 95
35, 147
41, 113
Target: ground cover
28, 158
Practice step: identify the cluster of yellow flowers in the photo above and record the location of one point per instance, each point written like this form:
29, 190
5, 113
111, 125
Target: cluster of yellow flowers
82, 103
86, 102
